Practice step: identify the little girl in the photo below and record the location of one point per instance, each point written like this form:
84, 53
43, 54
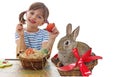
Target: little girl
32, 36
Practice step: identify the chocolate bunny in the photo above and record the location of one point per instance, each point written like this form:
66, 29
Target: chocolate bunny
66, 45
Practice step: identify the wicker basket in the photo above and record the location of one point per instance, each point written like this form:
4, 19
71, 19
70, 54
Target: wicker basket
74, 72
34, 64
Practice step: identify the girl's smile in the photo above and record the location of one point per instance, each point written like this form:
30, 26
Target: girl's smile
32, 21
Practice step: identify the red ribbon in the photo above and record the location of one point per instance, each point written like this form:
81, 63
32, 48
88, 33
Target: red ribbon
80, 62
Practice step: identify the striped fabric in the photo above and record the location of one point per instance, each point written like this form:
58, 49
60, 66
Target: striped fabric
34, 40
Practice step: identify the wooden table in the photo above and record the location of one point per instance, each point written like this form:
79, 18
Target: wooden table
16, 70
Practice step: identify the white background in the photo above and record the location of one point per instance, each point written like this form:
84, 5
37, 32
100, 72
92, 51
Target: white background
99, 22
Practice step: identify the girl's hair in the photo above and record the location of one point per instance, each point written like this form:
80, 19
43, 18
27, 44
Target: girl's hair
35, 6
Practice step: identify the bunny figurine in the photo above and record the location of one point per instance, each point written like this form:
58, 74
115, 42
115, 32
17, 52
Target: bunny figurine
66, 45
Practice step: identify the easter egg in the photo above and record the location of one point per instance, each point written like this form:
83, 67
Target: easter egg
50, 26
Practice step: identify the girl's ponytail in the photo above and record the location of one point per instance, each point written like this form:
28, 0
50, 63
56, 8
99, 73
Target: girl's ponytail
21, 17
46, 21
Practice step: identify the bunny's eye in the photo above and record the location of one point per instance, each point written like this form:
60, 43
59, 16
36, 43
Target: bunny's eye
67, 42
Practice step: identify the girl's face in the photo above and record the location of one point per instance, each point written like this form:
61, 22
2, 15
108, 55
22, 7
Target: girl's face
34, 18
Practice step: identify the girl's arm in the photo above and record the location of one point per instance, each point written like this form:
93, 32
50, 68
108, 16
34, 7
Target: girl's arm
49, 44
20, 41
20, 45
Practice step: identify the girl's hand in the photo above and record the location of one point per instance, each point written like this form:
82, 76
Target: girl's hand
20, 30
54, 33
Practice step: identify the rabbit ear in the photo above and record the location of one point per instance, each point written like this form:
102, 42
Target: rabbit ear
75, 33
69, 29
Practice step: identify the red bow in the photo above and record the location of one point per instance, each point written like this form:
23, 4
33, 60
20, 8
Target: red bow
80, 62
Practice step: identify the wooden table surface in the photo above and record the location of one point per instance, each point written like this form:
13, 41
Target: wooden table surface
16, 70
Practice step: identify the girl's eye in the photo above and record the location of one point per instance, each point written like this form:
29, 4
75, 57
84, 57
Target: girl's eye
39, 17
67, 42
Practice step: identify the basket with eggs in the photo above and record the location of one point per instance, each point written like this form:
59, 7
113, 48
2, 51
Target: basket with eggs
34, 59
